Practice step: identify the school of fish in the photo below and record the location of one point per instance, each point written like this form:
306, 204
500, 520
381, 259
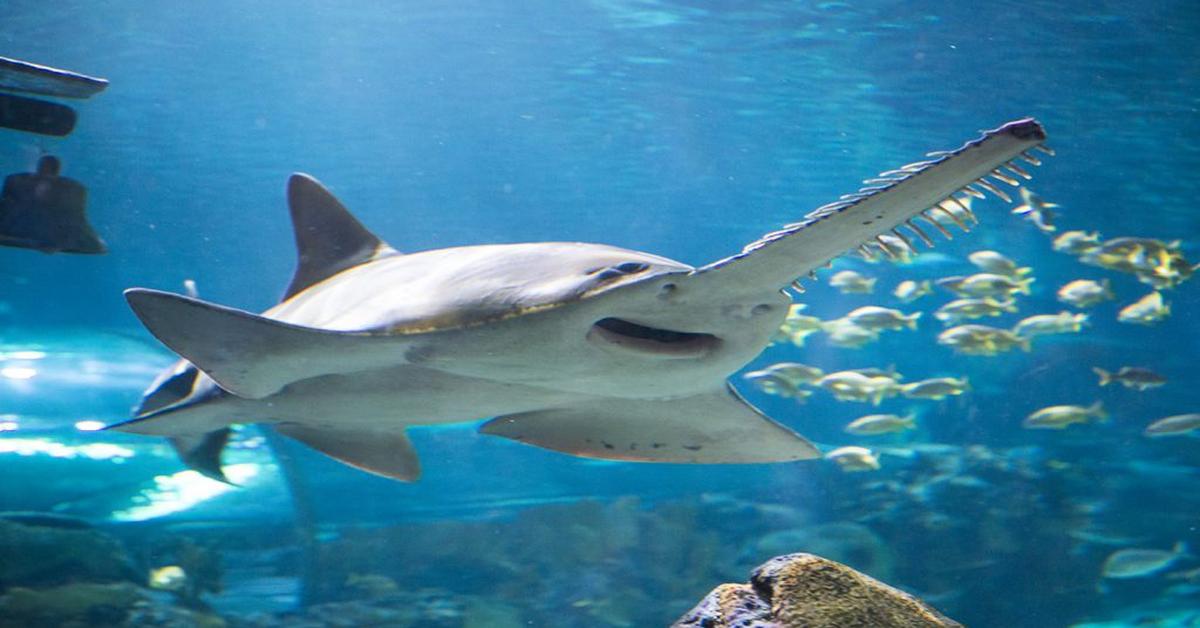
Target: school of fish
991, 292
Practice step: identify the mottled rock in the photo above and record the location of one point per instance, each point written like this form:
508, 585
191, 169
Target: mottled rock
96, 605
48, 555
82, 604
807, 591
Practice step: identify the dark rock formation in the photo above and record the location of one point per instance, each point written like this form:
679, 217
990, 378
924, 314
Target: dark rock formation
48, 555
81, 604
92, 605
807, 591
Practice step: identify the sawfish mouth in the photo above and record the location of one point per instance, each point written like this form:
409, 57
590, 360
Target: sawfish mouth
628, 336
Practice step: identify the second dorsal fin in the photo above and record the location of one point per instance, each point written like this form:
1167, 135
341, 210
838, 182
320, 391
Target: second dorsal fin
328, 238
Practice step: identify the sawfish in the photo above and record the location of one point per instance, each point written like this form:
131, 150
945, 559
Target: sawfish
586, 349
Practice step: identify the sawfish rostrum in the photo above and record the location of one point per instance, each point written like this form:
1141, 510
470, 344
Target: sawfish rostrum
586, 349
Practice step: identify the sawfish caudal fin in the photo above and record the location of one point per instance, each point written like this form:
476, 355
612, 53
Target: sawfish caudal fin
925, 190
203, 453
716, 427
253, 356
328, 238
389, 454
171, 386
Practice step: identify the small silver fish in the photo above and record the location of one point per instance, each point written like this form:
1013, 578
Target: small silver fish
1061, 417
1147, 310
908, 290
855, 386
981, 340
982, 285
1134, 377
1036, 210
1138, 563
1042, 324
851, 282
874, 424
998, 264
1076, 242
1085, 292
770, 383
797, 327
959, 310
853, 459
1174, 425
844, 333
876, 318
784, 379
937, 388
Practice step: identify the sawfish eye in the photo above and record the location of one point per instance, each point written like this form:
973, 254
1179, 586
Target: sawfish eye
620, 270
630, 268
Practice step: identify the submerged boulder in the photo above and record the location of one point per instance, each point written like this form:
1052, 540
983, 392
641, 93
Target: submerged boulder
44, 552
80, 604
803, 590
96, 605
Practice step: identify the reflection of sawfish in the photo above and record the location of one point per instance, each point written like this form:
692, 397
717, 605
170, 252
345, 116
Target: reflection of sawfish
586, 349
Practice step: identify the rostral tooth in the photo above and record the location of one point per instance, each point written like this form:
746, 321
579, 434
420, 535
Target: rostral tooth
987, 185
921, 234
936, 224
1019, 171
904, 239
996, 174
958, 221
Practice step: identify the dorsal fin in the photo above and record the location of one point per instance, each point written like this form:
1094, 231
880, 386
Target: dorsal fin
328, 238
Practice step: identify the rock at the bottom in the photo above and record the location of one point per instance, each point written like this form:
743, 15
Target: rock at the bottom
803, 590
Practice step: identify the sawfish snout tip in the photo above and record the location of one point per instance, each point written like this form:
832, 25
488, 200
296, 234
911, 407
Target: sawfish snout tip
1027, 128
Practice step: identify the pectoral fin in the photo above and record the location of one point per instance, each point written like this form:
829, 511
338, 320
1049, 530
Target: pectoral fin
716, 427
389, 454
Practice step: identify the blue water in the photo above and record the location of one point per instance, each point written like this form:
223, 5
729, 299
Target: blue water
684, 130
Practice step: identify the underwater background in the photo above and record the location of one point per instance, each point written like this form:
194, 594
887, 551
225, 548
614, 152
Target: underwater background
681, 129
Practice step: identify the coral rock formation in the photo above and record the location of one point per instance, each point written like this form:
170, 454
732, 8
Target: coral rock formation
803, 590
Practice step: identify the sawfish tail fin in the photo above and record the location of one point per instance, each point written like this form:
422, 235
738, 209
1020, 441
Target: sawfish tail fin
203, 453
176, 388
245, 353
936, 191
329, 240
